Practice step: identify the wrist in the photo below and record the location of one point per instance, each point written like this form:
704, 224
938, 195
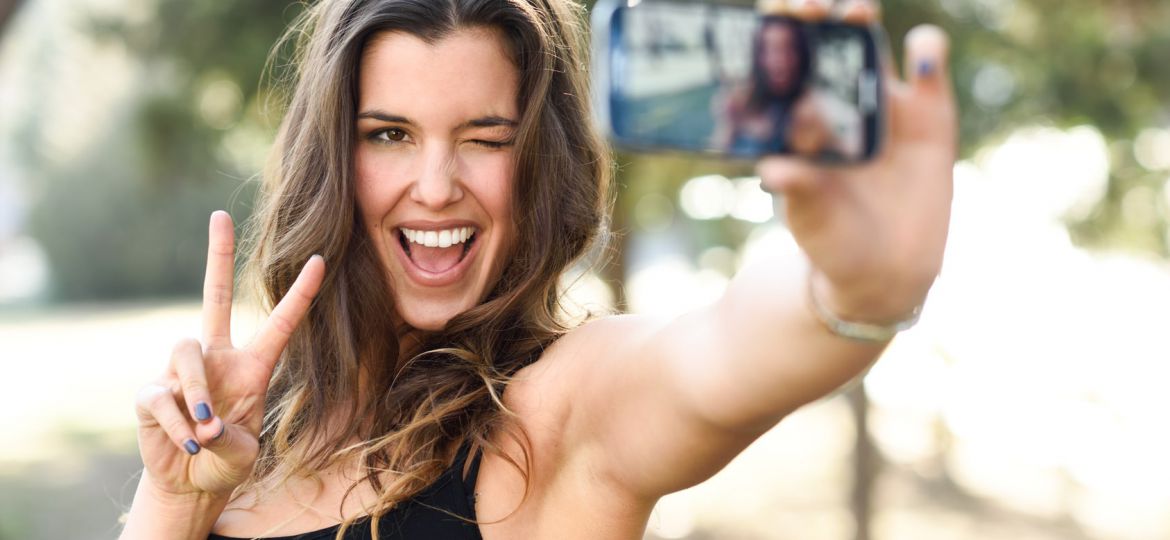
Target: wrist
875, 302
865, 315
158, 513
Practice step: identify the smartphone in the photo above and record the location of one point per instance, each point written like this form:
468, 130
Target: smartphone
724, 80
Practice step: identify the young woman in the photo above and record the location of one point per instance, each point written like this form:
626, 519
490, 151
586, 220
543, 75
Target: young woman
437, 170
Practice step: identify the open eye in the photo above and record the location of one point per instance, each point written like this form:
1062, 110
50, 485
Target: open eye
389, 135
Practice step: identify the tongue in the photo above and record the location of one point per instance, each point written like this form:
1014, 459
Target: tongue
436, 259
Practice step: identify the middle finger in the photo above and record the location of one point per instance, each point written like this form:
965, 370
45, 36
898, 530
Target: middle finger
187, 364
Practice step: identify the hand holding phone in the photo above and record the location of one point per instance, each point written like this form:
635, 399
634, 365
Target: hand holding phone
678, 76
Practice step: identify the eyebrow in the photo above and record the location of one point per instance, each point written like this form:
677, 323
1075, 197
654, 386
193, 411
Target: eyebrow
482, 122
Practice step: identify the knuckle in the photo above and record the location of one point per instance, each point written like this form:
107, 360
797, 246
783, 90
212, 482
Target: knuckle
186, 345
220, 294
282, 323
193, 388
151, 397
142, 401
303, 294
222, 248
179, 430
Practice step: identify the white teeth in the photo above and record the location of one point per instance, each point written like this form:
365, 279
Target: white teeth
442, 239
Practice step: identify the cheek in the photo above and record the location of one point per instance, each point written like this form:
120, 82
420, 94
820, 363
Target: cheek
492, 179
374, 187
491, 176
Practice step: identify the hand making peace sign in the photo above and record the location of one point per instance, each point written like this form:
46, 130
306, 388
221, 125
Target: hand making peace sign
199, 423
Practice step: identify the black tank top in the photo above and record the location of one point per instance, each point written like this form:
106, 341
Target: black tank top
426, 516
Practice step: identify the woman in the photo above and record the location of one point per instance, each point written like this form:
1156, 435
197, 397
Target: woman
439, 158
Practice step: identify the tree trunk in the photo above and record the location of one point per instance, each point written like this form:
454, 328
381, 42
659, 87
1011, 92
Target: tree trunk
865, 464
7, 10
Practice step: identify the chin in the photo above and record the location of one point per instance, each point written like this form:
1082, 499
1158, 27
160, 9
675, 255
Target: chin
433, 319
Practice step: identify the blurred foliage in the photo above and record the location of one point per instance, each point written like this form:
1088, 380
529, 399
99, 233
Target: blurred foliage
1064, 63
113, 231
128, 217
124, 219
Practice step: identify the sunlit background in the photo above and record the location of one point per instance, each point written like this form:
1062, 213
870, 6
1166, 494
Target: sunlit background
1030, 403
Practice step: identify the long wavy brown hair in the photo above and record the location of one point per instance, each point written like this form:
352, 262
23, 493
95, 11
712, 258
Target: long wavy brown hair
347, 390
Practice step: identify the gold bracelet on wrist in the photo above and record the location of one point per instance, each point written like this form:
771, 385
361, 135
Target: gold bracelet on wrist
856, 330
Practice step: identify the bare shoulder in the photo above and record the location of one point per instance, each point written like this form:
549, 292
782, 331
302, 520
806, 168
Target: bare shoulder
564, 490
583, 355
550, 396
560, 397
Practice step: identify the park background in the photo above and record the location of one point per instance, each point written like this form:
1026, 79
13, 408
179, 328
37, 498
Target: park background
1030, 403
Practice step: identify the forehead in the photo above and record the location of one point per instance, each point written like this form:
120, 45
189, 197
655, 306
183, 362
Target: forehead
467, 74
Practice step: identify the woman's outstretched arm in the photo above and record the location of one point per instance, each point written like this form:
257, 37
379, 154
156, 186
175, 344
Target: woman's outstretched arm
667, 404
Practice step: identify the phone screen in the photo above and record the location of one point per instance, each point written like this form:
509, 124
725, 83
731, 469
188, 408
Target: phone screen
722, 79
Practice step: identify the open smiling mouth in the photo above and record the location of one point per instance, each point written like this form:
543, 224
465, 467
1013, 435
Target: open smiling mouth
437, 251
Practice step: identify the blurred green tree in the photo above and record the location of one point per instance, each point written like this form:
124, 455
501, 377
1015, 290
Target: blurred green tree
128, 217
1064, 63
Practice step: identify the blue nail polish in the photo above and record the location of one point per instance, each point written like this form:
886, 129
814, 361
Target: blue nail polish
202, 411
925, 68
191, 447
222, 428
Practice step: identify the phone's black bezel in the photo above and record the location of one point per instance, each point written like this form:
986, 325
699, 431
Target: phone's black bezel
607, 26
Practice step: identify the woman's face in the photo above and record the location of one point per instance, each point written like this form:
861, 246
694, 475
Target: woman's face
779, 58
435, 163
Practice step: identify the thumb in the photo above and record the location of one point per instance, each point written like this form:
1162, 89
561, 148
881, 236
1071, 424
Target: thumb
926, 105
927, 58
234, 445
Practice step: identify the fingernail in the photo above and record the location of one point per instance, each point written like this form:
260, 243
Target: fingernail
191, 447
202, 411
222, 429
925, 68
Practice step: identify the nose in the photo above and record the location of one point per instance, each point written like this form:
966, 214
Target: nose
437, 184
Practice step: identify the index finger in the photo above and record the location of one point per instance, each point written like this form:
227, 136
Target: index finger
273, 336
217, 282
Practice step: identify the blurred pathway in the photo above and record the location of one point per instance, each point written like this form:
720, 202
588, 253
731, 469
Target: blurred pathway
77, 369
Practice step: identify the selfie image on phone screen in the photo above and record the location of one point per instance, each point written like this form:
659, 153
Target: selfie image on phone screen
723, 79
